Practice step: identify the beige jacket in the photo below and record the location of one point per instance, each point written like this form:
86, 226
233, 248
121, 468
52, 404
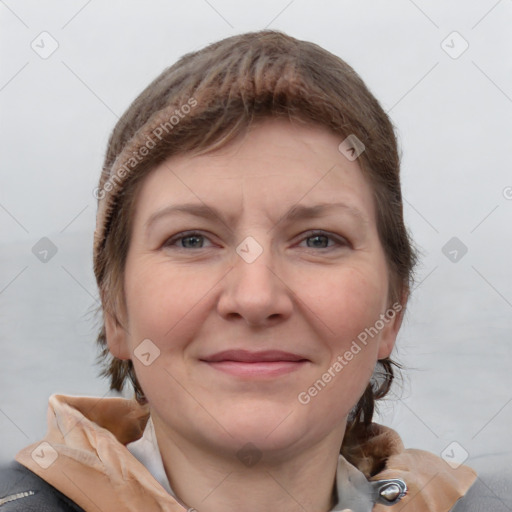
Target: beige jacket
84, 456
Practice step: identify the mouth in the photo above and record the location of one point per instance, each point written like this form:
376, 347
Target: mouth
244, 363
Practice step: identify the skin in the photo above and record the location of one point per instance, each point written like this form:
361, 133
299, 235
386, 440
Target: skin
306, 294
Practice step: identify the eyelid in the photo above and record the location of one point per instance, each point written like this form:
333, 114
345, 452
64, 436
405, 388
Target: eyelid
341, 240
171, 241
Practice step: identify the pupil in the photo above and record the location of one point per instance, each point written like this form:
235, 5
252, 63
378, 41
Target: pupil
318, 238
195, 241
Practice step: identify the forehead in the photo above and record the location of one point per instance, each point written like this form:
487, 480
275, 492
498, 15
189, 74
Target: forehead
275, 164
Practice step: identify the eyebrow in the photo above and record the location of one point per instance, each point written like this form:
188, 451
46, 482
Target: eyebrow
300, 212
295, 213
194, 209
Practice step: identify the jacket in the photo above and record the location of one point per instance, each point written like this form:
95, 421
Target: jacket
83, 464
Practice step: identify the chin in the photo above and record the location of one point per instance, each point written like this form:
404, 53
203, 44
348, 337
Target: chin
266, 425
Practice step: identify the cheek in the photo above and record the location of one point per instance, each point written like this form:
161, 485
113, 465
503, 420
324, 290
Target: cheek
348, 301
349, 306
164, 302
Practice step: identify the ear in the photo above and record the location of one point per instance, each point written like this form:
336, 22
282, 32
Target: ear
394, 316
117, 339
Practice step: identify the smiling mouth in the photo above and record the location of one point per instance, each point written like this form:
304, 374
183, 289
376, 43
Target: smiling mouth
243, 363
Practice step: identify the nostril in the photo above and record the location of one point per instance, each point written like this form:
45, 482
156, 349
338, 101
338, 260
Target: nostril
232, 316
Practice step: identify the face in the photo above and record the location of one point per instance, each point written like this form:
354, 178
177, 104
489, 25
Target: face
256, 292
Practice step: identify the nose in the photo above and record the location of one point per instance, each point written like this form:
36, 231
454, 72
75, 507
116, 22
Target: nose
256, 293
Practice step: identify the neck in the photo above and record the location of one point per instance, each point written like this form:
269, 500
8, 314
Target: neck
208, 481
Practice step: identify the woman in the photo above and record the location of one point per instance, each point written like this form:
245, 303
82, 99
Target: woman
254, 269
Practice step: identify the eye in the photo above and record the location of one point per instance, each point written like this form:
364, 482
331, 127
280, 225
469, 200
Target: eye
187, 240
321, 240
318, 241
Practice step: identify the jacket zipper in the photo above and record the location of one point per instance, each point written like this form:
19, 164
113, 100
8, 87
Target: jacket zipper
14, 497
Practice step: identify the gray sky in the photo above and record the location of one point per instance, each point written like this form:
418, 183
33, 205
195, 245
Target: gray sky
453, 115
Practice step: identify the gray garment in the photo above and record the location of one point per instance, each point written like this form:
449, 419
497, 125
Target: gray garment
492, 490
24, 491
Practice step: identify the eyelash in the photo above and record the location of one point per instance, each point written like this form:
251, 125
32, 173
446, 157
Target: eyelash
340, 241
170, 242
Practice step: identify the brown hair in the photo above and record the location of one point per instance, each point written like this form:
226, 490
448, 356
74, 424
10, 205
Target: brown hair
205, 100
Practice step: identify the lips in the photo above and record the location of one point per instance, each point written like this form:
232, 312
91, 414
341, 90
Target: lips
247, 364
245, 356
